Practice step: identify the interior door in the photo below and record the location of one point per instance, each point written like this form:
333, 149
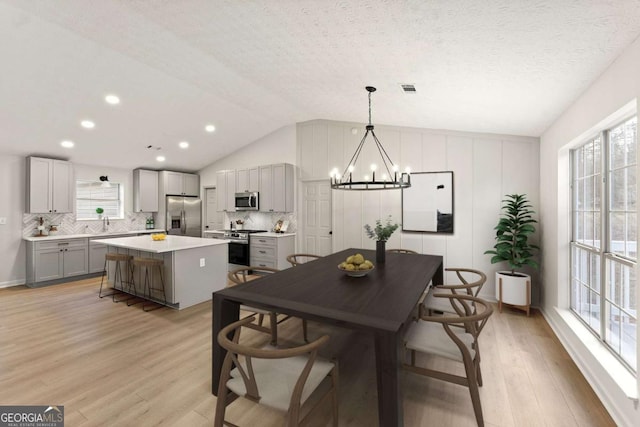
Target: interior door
317, 217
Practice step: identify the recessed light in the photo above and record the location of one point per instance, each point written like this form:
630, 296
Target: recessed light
160, 158
67, 144
87, 124
210, 128
112, 99
184, 144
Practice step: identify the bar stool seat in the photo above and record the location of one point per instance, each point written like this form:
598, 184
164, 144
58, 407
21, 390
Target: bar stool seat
117, 258
148, 265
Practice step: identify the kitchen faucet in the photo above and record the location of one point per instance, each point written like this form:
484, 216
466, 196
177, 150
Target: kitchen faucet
105, 223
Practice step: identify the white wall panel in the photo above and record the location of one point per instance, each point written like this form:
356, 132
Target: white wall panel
305, 136
460, 161
320, 161
434, 153
487, 189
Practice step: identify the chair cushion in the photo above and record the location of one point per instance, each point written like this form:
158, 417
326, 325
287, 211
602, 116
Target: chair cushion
276, 379
431, 338
438, 304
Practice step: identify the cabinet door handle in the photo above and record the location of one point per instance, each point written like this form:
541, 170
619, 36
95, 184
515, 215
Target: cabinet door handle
63, 243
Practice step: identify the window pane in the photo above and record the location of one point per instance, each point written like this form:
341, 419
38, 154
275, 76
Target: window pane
580, 205
597, 156
615, 270
594, 311
579, 163
628, 345
617, 232
92, 195
631, 188
588, 228
617, 147
632, 236
595, 273
618, 192
612, 334
584, 303
597, 230
588, 159
579, 227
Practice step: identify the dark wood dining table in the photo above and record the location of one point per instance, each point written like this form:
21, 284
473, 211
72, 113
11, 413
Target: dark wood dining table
381, 303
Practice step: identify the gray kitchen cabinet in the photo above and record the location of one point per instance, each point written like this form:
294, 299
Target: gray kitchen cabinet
247, 180
226, 190
49, 186
179, 184
97, 252
145, 190
265, 251
52, 260
276, 188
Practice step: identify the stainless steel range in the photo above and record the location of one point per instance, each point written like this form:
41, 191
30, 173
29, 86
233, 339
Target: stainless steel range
239, 245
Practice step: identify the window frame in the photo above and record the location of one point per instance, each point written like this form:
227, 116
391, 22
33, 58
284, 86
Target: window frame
120, 200
604, 251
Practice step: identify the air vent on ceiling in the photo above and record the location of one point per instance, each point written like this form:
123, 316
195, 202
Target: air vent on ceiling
409, 88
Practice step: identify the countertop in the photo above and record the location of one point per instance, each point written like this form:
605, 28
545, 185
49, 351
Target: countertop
272, 234
91, 235
170, 244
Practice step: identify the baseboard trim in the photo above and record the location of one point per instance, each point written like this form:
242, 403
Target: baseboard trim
11, 283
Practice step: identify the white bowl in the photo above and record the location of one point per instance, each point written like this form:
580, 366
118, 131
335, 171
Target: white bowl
356, 273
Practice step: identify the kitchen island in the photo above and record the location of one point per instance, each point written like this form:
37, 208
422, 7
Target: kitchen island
194, 268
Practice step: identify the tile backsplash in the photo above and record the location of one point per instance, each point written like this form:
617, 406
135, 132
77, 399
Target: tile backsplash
67, 223
261, 220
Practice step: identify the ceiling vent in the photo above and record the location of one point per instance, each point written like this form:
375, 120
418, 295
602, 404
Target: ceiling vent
408, 88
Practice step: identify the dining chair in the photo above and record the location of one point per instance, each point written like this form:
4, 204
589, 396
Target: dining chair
282, 379
402, 251
245, 274
470, 285
297, 259
441, 336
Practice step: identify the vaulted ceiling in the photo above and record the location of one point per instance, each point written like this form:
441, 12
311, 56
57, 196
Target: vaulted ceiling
251, 67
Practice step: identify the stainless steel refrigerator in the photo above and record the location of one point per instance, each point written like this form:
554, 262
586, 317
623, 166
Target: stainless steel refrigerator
184, 215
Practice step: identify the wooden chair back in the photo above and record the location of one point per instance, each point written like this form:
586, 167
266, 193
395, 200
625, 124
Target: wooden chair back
297, 259
244, 274
240, 357
401, 251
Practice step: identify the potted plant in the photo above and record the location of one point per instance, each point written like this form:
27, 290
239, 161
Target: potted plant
99, 211
381, 234
512, 245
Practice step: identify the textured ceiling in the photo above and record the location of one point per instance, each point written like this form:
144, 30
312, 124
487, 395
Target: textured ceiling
251, 67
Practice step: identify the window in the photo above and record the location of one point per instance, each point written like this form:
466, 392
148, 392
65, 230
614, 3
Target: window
91, 195
604, 238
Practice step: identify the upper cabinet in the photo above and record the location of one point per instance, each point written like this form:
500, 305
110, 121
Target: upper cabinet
247, 180
145, 190
276, 188
180, 184
225, 190
49, 186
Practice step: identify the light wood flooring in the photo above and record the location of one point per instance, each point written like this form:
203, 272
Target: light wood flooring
113, 365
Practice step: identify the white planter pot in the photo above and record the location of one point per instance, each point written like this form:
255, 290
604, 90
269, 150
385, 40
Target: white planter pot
513, 290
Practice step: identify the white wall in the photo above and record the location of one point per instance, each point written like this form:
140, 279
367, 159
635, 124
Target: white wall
12, 194
486, 167
277, 147
596, 107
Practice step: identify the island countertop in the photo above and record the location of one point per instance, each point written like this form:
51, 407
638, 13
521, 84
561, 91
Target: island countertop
170, 244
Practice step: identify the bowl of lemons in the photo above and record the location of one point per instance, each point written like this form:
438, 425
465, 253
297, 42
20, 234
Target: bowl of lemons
356, 266
158, 236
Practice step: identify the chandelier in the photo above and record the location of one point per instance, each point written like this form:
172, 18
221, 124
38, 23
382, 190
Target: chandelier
390, 180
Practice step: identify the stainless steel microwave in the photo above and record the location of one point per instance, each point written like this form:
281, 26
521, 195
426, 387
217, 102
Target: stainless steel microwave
247, 201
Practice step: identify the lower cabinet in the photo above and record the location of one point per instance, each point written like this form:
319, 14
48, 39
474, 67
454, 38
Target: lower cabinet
97, 252
57, 259
265, 251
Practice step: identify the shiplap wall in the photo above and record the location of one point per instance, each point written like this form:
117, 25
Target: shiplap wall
486, 167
